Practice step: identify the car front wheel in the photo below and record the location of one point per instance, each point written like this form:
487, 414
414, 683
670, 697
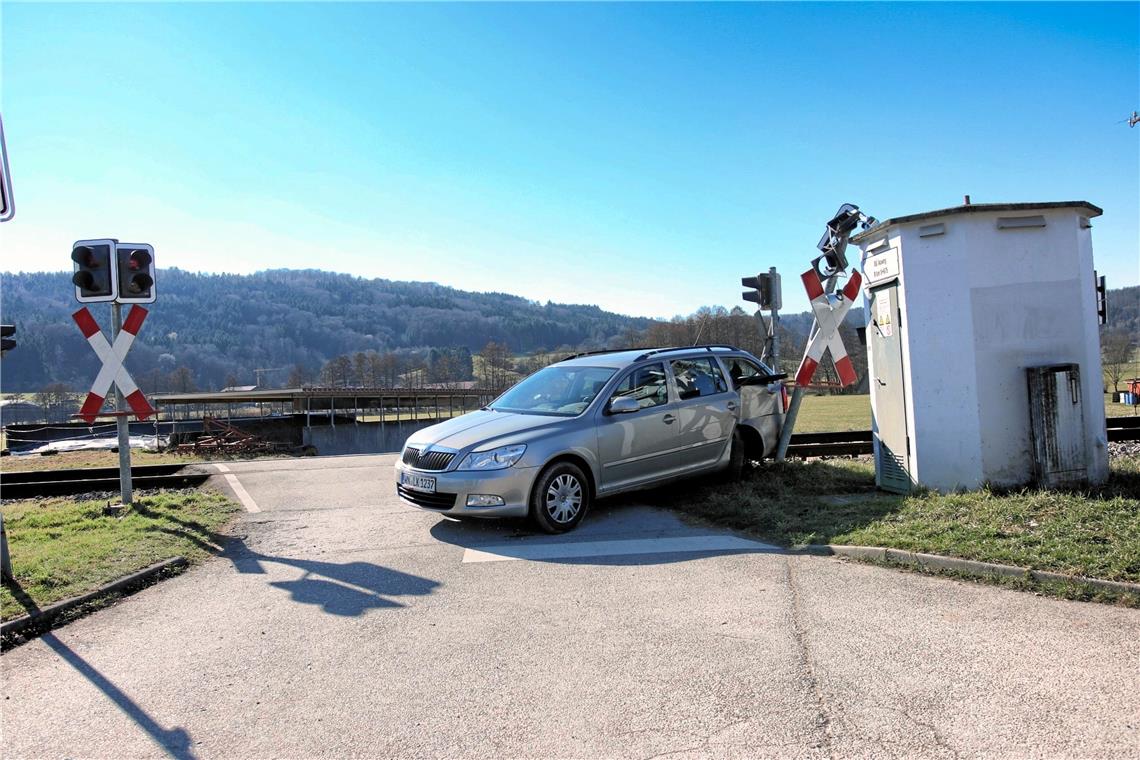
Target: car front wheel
560, 499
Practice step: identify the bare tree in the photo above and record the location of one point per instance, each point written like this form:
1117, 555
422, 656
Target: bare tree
496, 359
298, 376
53, 400
363, 370
337, 372
1116, 347
389, 370
182, 380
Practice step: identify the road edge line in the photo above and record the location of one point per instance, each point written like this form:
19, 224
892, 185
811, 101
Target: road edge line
239, 490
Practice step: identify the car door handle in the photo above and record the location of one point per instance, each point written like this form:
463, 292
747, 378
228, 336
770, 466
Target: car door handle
731, 406
668, 418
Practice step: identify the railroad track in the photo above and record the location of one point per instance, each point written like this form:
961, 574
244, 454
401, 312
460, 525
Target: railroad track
27, 485
804, 445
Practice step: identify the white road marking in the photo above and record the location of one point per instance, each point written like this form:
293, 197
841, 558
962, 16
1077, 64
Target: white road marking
509, 552
242, 494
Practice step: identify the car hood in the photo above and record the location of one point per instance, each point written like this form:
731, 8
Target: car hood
482, 429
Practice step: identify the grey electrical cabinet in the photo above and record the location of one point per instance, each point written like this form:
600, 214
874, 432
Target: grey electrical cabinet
891, 437
1057, 423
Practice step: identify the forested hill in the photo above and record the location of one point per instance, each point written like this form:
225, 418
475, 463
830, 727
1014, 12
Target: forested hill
1124, 310
215, 330
223, 325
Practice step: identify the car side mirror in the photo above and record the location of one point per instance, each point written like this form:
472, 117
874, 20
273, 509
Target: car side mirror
623, 405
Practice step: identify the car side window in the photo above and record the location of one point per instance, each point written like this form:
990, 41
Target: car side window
697, 377
646, 384
741, 369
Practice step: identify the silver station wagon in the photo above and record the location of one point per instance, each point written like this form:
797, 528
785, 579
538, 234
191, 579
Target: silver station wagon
593, 425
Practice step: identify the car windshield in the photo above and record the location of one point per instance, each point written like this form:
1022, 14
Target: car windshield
559, 391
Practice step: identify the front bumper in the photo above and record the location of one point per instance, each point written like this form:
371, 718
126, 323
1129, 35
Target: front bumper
452, 489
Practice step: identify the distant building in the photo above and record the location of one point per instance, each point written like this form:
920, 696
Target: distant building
239, 389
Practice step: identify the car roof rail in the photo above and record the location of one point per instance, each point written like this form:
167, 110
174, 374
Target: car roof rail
600, 351
708, 347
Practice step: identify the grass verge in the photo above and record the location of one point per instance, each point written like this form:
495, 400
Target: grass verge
61, 548
1113, 409
1094, 533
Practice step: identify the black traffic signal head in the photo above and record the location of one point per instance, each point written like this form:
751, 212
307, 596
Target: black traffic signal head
765, 290
95, 266
136, 273
1101, 299
7, 342
754, 294
830, 264
7, 207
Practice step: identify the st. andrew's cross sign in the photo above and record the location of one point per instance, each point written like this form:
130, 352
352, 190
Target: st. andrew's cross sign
112, 357
828, 317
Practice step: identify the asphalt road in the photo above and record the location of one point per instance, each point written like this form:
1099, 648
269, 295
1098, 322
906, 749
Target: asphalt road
344, 624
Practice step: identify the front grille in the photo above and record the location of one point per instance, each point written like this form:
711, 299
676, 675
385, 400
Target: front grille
429, 500
432, 460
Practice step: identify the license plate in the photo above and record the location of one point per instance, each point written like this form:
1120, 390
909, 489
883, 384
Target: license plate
417, 482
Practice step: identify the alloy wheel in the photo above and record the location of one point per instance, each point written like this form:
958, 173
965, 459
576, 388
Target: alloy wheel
563, 498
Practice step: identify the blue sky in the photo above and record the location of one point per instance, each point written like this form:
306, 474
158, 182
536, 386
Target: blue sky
642, 157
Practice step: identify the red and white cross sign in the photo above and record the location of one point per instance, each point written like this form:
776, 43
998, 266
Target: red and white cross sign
828, 318
112, 357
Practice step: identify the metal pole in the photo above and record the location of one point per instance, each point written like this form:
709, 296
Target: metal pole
797, 394
775, 325
125, 490
5, 559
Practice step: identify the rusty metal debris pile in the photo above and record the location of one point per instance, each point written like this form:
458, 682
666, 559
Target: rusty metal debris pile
220, 437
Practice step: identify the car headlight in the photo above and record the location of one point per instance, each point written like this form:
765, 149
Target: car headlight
494, 459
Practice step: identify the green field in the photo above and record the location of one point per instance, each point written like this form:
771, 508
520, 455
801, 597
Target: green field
1118, 410
822, 414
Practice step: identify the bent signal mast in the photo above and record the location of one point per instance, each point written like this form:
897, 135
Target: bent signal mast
828, 308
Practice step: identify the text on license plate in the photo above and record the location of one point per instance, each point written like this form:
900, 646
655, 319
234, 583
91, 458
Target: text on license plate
417, 482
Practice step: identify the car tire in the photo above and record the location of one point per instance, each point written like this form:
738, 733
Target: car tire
560, 498
736, 458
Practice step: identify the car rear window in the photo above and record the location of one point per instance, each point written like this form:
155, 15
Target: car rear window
697, 377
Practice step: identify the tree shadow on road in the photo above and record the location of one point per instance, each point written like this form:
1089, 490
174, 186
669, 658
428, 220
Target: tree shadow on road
345, 589
175, 741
